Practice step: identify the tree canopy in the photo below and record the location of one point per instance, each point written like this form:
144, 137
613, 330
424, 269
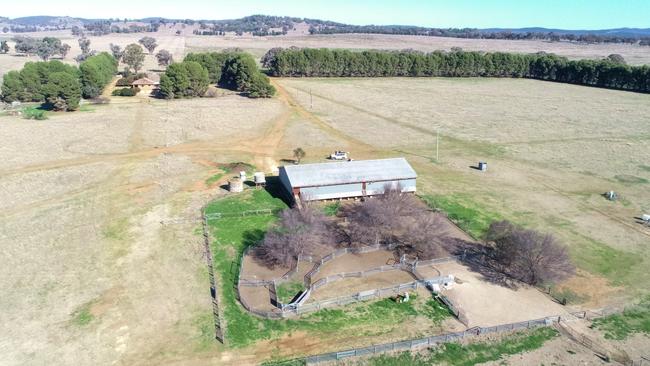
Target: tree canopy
607, 73
133, 56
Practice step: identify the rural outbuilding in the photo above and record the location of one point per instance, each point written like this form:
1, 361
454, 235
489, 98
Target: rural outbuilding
347, 179
145, 83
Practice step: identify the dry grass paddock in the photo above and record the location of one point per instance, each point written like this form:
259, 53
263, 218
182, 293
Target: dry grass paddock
180, 45
91, 276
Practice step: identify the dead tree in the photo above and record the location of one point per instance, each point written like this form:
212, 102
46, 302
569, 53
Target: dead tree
299, 231
529, 256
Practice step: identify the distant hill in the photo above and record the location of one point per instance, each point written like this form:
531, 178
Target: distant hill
619, 32
264, 25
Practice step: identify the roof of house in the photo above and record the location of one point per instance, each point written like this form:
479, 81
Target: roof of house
144, 81
308, 175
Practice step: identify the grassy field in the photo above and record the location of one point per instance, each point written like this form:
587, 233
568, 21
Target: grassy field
233, 234
550, 151
635, 319
454, 354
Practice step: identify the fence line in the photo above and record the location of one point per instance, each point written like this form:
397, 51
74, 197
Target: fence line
427, 342
219, 325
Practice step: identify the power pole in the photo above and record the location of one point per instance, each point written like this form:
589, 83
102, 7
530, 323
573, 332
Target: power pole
311, 100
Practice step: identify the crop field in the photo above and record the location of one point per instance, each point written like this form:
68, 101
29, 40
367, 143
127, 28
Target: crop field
103, 261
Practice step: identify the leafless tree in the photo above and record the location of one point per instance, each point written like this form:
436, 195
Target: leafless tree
299, 231
397, 218
529, 256
164, 58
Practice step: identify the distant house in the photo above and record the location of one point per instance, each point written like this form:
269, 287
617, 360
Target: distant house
145, 83
347, 179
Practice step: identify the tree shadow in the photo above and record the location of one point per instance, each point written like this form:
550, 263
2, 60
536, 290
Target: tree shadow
252, 237
478, 258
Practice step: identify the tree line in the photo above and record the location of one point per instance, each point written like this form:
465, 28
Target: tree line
473, 33
611, 72
234, 70
59, 86
406, 223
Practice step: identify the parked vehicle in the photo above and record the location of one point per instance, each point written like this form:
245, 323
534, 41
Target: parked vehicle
339, 155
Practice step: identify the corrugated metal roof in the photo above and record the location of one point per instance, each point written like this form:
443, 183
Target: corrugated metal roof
343, 172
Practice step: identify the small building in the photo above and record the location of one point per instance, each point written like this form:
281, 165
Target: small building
347, 179
145, 83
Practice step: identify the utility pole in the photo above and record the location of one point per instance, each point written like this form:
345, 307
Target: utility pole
311, 100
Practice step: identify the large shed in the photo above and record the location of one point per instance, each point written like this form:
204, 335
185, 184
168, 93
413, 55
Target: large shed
346, 179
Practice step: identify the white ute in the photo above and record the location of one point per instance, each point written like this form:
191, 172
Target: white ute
339, 155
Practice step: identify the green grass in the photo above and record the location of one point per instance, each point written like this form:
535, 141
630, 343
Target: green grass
331, 209
296, 362
456, 354
599, 258
288, 290
213, 179
231, 235
85, 108
253, 199
468, 215
621, 326
33, 112
83, 316
645, 168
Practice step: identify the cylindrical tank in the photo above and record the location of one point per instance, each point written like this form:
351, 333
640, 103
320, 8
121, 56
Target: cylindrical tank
242, 176
259, 178
235, 185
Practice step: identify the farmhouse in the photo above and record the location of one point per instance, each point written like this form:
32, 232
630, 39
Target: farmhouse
145, 83
347, 179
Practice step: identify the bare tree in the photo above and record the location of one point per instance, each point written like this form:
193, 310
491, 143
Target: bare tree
117, 52
300, 231
529, 256
397, 218
299, 153
84, 44
164, 58
149, 43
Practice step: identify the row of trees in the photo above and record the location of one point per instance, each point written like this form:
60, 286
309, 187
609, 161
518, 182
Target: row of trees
608, 73
52, 83
57, 85
337, 28
391, 218
43, 47
405, 222
234, 70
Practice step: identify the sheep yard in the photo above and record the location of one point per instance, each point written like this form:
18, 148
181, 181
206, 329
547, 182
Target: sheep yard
104, 258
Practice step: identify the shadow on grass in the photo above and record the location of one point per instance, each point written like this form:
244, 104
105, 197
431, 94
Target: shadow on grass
275, 188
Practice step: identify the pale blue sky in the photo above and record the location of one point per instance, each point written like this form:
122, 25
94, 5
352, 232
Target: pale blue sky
567, 14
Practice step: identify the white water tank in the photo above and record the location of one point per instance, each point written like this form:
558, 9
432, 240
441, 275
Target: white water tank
242, 176
259, 178
235, 185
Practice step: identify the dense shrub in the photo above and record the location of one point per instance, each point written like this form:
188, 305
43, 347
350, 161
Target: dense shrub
62, 91
35, 83
125, 92
96, 72
326, 62
184, 79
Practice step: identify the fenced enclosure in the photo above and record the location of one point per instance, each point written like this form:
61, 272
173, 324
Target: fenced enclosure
299, 305
427, 342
